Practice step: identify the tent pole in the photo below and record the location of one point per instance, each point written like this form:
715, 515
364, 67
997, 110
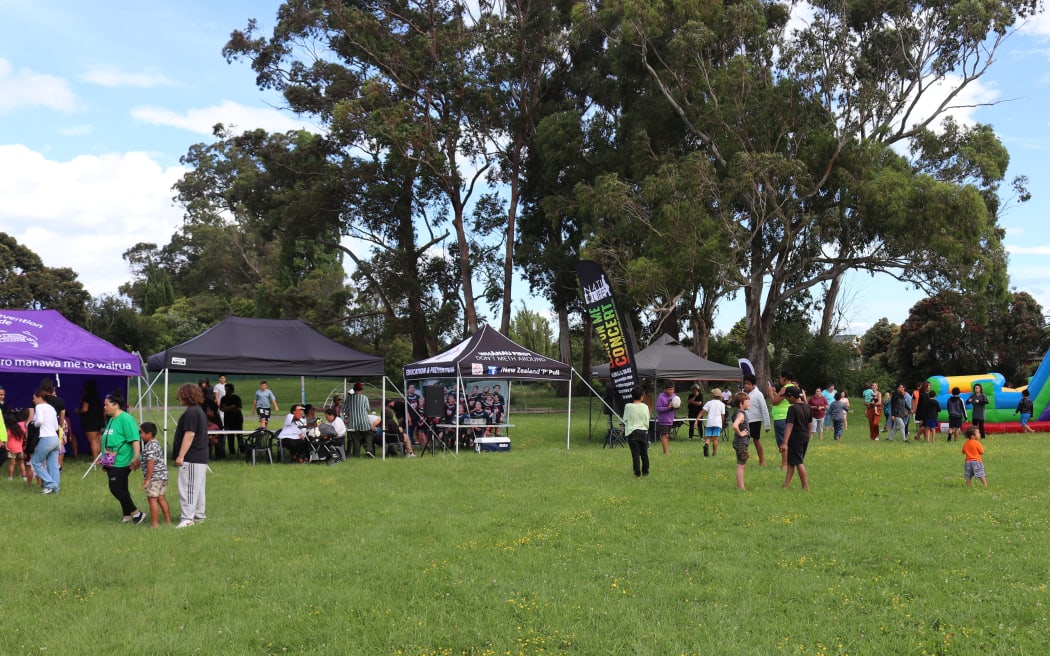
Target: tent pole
568, 418
165, 411
459, 390
382, 413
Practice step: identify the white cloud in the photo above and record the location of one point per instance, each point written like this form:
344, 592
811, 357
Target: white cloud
27, 88
962, 107
113, 78
228, 113
77, 130
1038, 25
1027, 250
84, 213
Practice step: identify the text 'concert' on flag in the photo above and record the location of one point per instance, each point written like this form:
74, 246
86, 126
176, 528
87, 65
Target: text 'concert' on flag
608, 326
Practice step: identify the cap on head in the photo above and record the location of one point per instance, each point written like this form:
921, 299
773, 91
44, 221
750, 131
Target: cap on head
792, 392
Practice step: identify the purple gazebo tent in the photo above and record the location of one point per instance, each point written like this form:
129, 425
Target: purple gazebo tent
37, 344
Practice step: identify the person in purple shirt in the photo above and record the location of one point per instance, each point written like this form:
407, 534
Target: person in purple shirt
665, 414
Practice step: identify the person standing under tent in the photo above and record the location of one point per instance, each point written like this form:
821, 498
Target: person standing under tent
232, 417
92, 417
218, 392
694, 405
358, 426
45, 456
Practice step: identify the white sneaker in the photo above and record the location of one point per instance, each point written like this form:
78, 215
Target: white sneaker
186, 523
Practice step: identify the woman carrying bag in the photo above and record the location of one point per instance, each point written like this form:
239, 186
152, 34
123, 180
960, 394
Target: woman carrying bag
120, 455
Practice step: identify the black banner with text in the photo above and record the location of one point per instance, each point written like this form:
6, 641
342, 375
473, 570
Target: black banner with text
608, 326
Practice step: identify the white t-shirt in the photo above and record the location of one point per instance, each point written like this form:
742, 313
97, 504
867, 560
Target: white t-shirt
716, 413
291, 429
220, 391
45, 417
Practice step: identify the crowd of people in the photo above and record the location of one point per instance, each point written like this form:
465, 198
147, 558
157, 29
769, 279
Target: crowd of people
35, 439
796, 417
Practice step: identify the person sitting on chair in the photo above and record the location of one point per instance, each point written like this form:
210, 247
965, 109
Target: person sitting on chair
292, 437
394, 430
333, 430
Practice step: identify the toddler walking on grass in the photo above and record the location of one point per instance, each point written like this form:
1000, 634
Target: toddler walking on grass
973, 450
154, 474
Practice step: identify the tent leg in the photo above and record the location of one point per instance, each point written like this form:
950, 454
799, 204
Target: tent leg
568, 418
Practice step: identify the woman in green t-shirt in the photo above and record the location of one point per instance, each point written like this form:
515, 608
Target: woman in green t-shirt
121, 438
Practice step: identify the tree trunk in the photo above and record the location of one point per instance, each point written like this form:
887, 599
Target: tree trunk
827, 321
758, 330
466, 283
409, 267
508, 258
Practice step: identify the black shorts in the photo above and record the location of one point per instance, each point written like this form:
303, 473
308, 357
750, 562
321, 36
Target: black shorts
755, 430
264, 413
796, 452
954, 422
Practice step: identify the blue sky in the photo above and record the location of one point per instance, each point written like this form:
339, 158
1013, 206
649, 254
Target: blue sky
99, 100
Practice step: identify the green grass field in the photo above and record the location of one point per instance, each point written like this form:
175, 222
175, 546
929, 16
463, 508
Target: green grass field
541, 551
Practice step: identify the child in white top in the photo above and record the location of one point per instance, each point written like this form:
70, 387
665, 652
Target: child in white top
715, 412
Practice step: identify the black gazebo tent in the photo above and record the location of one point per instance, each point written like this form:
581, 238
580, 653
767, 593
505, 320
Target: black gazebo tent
241, 345
667, 359
490, 354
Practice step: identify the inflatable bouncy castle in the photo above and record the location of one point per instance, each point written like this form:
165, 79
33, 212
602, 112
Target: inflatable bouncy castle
1002, 400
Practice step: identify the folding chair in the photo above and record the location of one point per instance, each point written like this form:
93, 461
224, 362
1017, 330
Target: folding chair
395, 441
261, 441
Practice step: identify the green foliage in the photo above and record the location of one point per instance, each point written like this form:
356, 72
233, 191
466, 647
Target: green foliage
821, 361
26, 284
532, 330
957, 334
780, 147
117, 322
